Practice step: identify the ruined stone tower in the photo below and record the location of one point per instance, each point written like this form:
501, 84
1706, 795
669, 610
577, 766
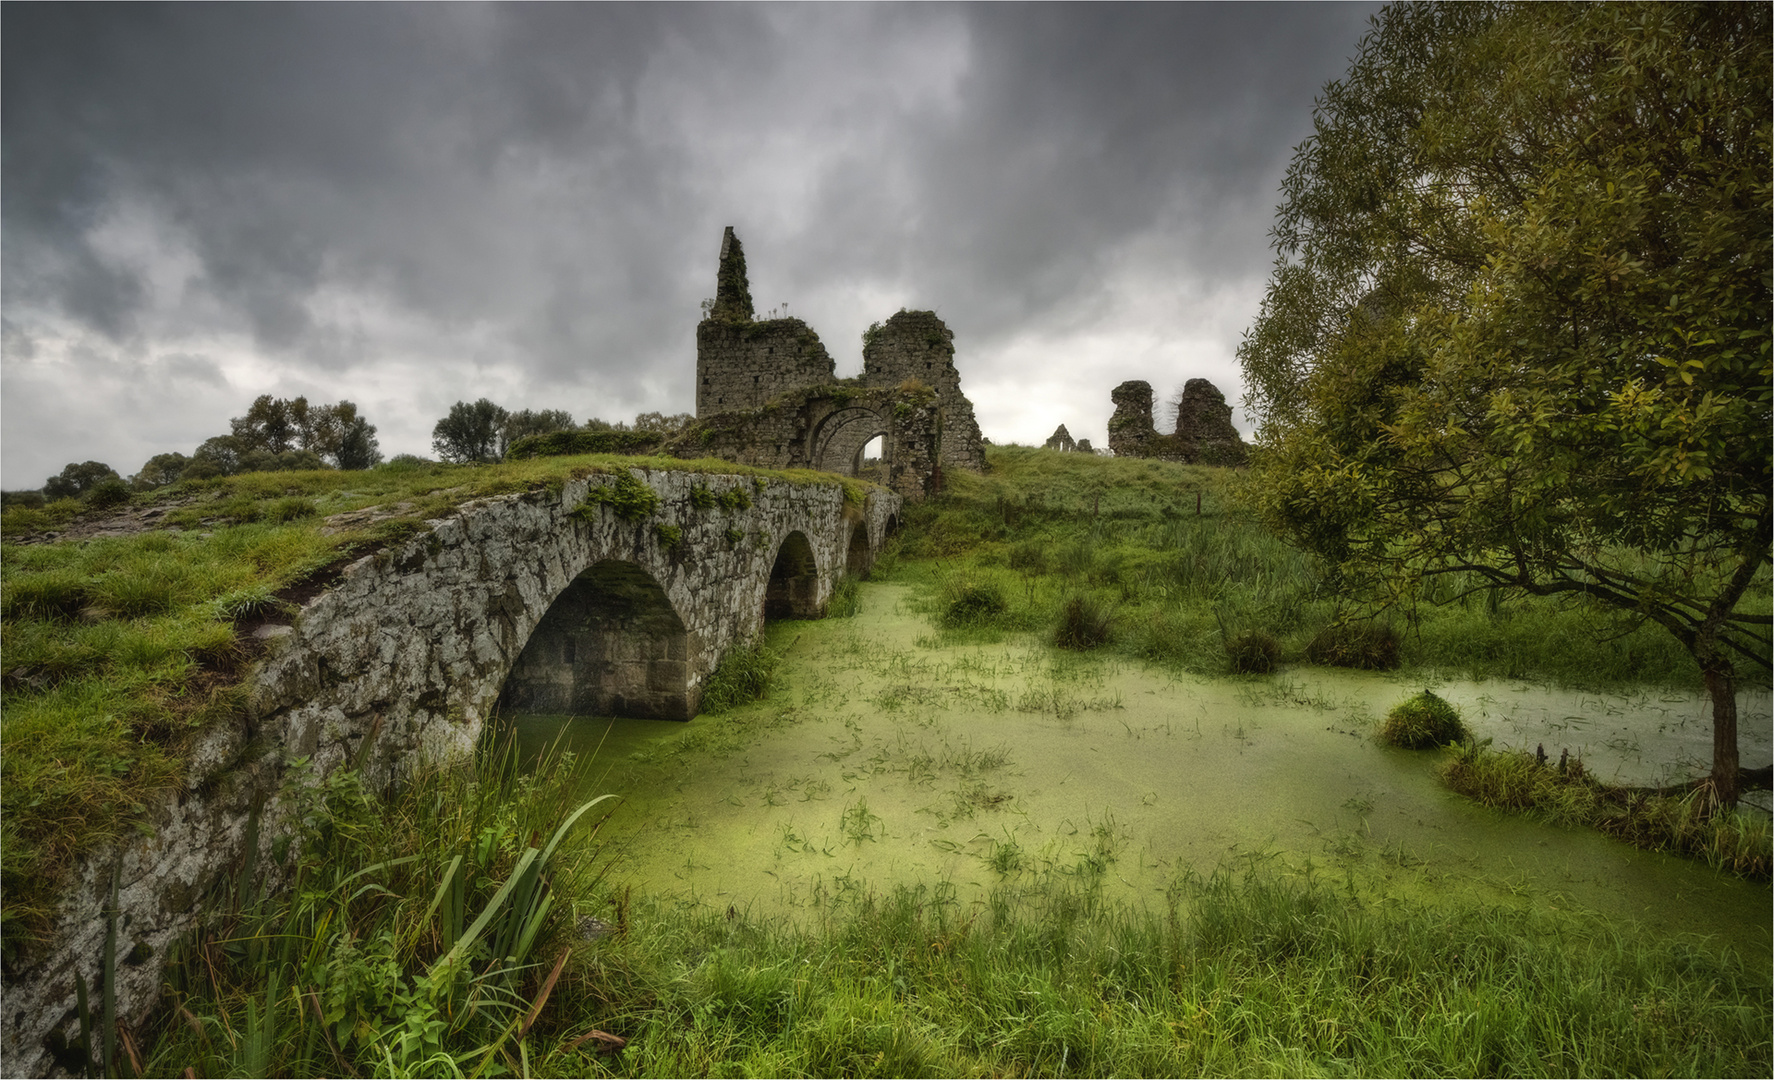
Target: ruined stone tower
1204, 432
915, 346
742, 363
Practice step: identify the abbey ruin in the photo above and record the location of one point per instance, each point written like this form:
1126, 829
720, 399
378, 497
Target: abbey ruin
767, 394
1204, 433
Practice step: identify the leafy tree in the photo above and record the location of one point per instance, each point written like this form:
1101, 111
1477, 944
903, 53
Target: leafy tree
216, 456
160, 470
470, 432
76, 480
1518, 332
520, 424
334, 432
665, 425
357, 448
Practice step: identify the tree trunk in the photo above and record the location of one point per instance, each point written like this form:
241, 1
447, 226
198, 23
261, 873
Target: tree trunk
1722, 685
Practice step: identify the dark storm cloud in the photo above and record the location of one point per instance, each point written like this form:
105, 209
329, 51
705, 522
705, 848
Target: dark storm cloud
411, 204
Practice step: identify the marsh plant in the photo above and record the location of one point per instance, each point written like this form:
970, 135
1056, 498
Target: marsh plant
1737, 841
1421, 722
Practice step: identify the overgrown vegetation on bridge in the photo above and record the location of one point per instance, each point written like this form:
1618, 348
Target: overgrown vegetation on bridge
127, 629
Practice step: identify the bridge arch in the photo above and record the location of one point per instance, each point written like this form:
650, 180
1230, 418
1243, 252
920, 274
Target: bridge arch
793, 590
610, 644
861, 556
837, 442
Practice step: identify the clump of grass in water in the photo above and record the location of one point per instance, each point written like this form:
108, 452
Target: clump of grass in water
1422, 722
744, 675
1739, 842
1084, 623
846, 598
970, 603
1252, 652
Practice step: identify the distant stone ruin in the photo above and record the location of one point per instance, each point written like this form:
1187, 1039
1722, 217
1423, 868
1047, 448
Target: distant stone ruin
1062, 440
1204, 433
766, 393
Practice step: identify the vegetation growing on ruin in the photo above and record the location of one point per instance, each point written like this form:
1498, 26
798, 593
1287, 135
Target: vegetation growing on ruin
119, 650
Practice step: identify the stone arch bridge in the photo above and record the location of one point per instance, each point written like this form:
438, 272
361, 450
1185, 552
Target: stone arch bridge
541, 600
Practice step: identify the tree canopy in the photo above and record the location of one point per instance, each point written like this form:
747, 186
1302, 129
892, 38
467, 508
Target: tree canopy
470, 432
1518, 329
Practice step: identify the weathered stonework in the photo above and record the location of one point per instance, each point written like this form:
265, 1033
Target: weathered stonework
748, 367
1204, 432
404, 659
827, 428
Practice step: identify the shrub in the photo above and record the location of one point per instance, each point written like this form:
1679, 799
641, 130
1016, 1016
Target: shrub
1083, 623
670, 536
1421, 722
974, 603
28, 500
1367, 645
1252, 652
107, 493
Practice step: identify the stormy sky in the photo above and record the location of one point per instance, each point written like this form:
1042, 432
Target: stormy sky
410, 205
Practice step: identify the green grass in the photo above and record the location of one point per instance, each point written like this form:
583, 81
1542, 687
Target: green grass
1253, 972
1183, 572
116, 651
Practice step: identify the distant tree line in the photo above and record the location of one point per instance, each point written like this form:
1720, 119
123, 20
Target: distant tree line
281, 434
482, 431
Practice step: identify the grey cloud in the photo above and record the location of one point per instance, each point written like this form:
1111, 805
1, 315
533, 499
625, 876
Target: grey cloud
556, 176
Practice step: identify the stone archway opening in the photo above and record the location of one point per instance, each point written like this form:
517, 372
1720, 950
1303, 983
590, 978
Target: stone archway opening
611, 644
838, 444
793, 591
860, 557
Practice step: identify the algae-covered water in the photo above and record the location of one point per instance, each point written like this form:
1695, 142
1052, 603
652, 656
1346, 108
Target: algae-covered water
884, 759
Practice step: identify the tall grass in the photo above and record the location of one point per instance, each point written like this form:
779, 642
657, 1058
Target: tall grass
1242, 972
423, 935
1233, 974
1185, 577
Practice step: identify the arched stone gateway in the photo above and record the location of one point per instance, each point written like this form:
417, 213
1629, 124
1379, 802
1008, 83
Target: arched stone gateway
541, 596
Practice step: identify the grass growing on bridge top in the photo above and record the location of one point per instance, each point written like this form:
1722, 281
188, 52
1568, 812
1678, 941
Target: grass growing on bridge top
126, 631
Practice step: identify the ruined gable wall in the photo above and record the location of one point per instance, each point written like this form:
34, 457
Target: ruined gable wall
915, 345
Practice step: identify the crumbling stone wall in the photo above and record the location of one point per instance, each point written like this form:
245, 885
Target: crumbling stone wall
1060, 440
1204, 434
915, 347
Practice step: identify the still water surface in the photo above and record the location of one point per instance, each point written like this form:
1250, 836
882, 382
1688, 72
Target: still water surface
886, 761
